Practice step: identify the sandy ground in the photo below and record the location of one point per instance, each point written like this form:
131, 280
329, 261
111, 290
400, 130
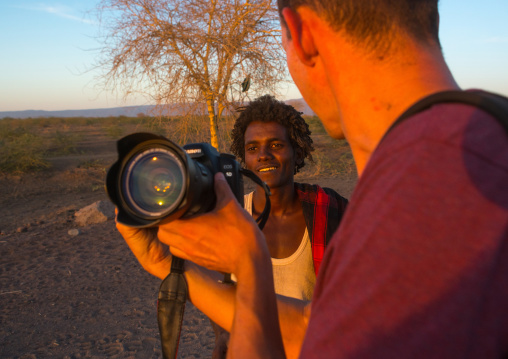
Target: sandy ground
83, 296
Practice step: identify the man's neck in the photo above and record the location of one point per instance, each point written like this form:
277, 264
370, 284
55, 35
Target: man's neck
283, 199
372, 93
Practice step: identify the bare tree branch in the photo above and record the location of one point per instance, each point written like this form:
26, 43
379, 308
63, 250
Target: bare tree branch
190, 51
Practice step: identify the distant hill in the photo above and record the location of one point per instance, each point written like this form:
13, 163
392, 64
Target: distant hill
130, 111
98, 112
301, 105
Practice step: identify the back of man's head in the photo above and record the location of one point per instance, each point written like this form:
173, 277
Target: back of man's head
376, 23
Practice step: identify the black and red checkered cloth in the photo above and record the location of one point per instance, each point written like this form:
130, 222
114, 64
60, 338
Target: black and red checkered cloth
323, 209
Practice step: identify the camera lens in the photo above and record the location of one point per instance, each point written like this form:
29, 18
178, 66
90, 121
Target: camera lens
154, 182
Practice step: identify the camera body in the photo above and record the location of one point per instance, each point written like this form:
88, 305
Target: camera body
206, 155
155, 181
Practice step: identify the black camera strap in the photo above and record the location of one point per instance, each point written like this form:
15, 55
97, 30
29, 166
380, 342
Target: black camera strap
263, 217
173, 291
170, 308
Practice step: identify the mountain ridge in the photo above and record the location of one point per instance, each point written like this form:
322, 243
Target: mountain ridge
129, 111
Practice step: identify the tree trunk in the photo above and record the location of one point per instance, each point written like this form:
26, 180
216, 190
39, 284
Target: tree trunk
221, 109
214, 128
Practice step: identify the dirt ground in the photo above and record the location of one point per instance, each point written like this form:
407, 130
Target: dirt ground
83, 296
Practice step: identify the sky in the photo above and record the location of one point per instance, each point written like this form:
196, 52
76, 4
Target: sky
48, 49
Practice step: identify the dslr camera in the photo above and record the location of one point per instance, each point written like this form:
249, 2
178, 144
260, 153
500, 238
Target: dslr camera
155, 181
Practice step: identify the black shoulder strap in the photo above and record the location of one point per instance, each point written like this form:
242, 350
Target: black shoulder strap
494, 104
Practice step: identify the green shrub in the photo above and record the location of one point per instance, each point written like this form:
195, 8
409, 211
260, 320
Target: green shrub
22, 151
64, 143
25, 144
315, 125
114, 131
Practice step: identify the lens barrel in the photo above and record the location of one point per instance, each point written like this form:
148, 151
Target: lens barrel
155, 181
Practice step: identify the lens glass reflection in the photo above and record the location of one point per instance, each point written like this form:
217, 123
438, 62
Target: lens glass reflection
154, 182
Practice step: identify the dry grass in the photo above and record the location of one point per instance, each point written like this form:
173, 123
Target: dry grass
331, 157
37, 144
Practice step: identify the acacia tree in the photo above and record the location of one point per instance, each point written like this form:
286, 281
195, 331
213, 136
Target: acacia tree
188, 52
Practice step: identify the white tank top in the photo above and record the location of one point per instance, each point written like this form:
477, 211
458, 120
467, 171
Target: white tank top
293, 276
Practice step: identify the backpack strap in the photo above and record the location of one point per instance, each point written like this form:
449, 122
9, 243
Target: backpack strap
494, 104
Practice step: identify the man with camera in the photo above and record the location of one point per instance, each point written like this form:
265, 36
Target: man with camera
272, 140
418, 267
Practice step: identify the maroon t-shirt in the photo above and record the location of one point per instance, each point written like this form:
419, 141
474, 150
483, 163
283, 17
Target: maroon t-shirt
419, 265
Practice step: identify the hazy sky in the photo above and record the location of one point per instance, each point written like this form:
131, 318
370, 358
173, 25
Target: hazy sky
48, 46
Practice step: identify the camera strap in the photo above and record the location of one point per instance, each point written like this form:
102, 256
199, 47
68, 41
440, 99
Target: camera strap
263, 217
170, 308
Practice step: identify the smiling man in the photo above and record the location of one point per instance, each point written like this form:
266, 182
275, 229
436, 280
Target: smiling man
273, 140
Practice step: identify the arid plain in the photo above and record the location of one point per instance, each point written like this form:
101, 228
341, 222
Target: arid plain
85, 296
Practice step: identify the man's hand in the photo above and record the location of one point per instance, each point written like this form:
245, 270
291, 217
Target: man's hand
226, 239
151, 253
220, 240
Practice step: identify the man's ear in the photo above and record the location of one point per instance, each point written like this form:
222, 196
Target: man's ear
300, 36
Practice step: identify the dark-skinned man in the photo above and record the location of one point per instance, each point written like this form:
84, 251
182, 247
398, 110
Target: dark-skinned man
273, 140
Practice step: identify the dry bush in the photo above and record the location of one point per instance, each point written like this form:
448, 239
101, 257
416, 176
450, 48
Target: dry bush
26, 145
192, 129
331, 157
21, 150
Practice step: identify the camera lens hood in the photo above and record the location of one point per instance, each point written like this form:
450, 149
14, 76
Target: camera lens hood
151, 172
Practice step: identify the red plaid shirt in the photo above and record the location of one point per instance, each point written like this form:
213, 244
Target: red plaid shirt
323, 209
